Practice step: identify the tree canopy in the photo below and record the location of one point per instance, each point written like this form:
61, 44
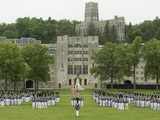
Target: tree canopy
48, 30
21, 63
152, 58
38, 59
110, 62
45, 30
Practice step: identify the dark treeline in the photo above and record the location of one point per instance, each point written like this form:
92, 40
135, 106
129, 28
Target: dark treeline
45, 30
48, 30
147, 30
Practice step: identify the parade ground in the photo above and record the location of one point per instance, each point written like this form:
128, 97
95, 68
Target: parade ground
64, 111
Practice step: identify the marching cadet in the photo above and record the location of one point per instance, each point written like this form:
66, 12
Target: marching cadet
2, 101
45, 103
49, 101
53, 101
33, 103
126, 104
158, 102
57, 97
7, 100
77, 107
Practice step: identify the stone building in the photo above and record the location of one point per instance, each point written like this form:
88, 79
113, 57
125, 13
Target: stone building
92, 17
27, 40
74, 57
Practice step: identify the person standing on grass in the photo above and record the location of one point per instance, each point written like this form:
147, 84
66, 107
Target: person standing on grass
77, 107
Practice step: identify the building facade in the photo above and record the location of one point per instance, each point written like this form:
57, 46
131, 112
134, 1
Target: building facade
92, 17
74, 57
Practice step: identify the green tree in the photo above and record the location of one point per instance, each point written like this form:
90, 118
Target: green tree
152, 59
38, 59
12, 65
134, 53
110, 63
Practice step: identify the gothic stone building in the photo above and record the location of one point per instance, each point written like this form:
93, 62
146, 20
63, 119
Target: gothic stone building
92, 17
74, 56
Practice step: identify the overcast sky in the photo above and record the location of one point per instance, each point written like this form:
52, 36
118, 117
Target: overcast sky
134, 11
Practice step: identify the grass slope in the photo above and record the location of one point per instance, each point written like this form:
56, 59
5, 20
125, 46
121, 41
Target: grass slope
64, 111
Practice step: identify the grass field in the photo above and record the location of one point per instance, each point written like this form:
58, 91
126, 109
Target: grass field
64, 111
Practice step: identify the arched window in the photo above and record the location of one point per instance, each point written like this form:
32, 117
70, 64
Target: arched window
59, 85
96, 85
70, 82
85, 81
80, 81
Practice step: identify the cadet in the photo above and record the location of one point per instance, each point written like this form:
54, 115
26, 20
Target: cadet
77, 107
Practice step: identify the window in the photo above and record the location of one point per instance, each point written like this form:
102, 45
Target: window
96, 85
59, 85
80, 81
77, 69
70, 82
85, 81
77, 59
85, 69
70, 45
62, 66
80, 69
70, 69
77, 52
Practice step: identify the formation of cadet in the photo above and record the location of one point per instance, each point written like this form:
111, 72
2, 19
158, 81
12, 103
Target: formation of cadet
79, 100
151, 101
40, 100
117, 101
121, 100
11, 98
43, 100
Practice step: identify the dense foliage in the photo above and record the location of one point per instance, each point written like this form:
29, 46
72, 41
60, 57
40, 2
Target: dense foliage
147, 30
116, 61
18, 64
47, 30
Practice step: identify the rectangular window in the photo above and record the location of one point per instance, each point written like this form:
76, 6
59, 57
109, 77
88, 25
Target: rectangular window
75, 69
77, 52
70, 69
85, 69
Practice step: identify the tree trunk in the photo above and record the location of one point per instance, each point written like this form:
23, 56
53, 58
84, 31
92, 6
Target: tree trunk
5, 86
101, 84
157, 81
6, 82
24, 84
14, 86
134, 77
35, 87
111, 80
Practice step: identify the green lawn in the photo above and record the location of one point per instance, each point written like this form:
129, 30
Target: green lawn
64, 111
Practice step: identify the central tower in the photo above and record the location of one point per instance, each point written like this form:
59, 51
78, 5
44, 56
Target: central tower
91, 12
